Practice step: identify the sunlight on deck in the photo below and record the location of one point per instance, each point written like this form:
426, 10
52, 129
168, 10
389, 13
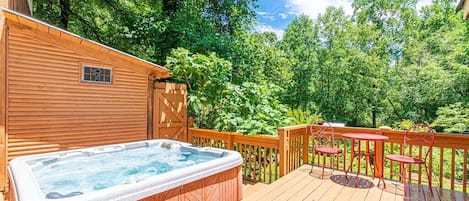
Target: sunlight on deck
300, 185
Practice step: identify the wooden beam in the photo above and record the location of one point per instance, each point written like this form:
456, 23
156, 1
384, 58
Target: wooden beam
3, 101
284, 145
150, 97
306, 135
463, 5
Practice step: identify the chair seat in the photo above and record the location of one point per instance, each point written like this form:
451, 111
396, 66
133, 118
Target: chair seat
405, 159
328, 150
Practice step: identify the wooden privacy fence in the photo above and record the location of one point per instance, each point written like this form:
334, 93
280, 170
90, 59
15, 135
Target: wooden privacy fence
169, 111
268, 158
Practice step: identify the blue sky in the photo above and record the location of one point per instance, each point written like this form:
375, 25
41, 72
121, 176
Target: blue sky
274, 15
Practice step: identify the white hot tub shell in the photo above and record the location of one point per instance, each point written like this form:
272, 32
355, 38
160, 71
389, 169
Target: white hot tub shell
26, 188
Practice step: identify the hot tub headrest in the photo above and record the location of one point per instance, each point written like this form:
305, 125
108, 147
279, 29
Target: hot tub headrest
166, 145
55, 195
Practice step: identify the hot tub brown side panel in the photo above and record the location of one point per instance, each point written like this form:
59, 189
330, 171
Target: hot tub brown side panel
224, 186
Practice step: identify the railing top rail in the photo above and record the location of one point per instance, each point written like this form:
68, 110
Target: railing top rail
269, 141
294, 127
205, 131
447, 140
341, 130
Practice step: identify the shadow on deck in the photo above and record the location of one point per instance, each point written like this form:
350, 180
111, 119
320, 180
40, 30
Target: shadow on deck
300, 185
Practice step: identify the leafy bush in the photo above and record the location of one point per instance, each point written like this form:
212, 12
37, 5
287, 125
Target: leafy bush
298, 116
251, 109
215, 102
405, 124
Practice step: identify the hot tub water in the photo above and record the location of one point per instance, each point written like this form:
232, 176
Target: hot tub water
85, 174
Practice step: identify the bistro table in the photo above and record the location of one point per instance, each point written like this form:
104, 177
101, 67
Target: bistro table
364, 137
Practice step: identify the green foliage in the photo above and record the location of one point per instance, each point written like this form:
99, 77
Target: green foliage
298, 116
206, 77
453, 118
216, 103
257, 59
300, 42
405, 124
199, 72
251, 109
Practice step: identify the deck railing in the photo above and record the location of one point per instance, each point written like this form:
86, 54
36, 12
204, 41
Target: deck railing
261, 154
268, 158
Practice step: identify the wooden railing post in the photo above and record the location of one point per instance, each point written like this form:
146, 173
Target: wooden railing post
305, 145
189, 135
284, 150
229, 142
379, 151
190, 124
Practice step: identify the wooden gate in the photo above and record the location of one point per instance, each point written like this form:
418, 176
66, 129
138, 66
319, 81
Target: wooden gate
170, 111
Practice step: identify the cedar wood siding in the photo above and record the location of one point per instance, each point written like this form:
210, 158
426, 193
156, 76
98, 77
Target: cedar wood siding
50, 109
3, 163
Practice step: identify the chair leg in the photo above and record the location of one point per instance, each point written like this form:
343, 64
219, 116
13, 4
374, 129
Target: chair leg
429, 177
404, 177
313, 155
323, 164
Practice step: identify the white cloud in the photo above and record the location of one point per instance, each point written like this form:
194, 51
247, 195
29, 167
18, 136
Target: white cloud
316, 7
267, 28
269, 17
283, 15
313, 8
266, 15
261, 13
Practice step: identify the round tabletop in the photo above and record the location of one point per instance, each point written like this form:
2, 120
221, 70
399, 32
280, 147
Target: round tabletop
364, 136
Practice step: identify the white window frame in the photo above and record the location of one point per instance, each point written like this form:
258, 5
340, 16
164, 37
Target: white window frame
98, 82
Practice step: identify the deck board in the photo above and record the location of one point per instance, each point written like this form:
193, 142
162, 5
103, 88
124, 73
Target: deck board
300, 185
306, 190
251, 187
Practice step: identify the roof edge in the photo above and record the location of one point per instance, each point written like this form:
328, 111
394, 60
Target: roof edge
460, 5
6, 10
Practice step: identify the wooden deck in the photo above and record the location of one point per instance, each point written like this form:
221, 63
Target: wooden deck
300, 185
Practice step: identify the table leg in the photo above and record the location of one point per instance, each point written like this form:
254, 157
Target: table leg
359, 159
367, 157
352, 156
381, 177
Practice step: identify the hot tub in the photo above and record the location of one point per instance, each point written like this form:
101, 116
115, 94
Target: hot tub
153, 170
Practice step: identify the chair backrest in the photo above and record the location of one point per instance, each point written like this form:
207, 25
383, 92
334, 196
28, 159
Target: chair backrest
419, 135
322, 133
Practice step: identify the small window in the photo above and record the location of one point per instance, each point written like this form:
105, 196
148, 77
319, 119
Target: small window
95, 74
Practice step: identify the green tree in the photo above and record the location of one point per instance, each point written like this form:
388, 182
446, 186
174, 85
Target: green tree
216, 103
453, 118
301, 43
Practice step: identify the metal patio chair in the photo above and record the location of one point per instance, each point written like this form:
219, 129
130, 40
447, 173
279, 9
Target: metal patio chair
419, 135
323, 143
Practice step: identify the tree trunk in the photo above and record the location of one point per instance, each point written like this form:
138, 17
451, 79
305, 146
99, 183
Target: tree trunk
64, 13
170, 7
